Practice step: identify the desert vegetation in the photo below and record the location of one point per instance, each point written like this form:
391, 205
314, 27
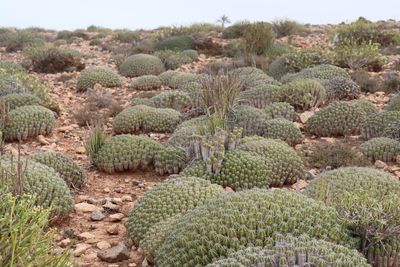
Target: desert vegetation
245, 144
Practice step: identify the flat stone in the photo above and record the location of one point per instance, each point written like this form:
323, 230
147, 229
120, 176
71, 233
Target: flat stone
64, 129
228, 189
115, 254
97, 215
117, 200
305, 116
117, 217
109, 206
80, 150
85, 207
86, 235
113, 229
102, 245
380, 164
127, 198
64, 243
80, 249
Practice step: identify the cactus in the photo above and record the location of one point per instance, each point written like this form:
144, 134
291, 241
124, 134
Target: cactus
103, 76
341, 88
146, 82
16, 100
69, 171
381, 148
233, 221
284, 130
177, 43
170, 160
394, 104
146, 119
193, 54
278, 110
259, 96
392, 130
375, 124
28, 121
320, 72
141, 64
250, 77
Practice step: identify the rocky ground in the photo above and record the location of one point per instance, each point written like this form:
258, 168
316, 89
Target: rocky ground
95, 231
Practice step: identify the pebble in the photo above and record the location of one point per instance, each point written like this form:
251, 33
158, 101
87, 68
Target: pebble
102, 245
380, 164
111, 207
117, 217
126, 198
113, 229
64, 243
97, 215
115, 254
86, 235
80, 249
80, 150
85, 207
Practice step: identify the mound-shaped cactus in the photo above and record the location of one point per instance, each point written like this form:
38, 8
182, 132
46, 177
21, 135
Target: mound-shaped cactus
280, 110
103, 76
166, 76
259, 96
172, 99
234, 221
167, 199
365, 199
16, 100
320, 72
176, 60
284, 130
337, 119
394, 104
193, 54
181, 79
69, 171
170, 160
178, 43
285, 164
146, 82
28, 121
341, 88
250, 119
146, 119
366, 106
375, 124
50, 189
381, 148
126, 152
292, 252
278, 68
141, 64
392, 130
303, 94
250, 77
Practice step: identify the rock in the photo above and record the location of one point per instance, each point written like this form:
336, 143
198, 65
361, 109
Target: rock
80, 150
132, 264
106, 190
90, 256
114, 254
111, 207
65, 129
228, 189
42, 140
117, 217
97, 215
85, 207
83, 198
398, 159
380, 164
64, 243
145, 263
117, 200
305, 116
86, 235
80, 249
299, 185
126, 198
102, 245
113, 229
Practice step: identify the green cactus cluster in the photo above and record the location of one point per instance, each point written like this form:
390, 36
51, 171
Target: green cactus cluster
166, 77
278, 68
170, 160
375, 124
174, 59
176, 43
366, 200
177, 100
16, 100
280, 110
320, 72
341, 88
141, 64
126, 152
103, 76
143, 118
250, 119
367, 107
284, 130
290, 251
250, 77
394, 103
286, 165
303, 94
68, 170
259, 96
381, 148
167, 199
193, 54
28, 121
50, 189
146, 82
337, 119
182, 79
233, 221
392, 130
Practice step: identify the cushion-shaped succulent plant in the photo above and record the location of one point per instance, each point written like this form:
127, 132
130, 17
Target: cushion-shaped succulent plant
381, 148
365, 199
375, 124
284, 130
141, 64
178, 43
43, 182
320, 72
28, 121
143, 118
170, 160
103, 76
341, 88
167, 199
278, 110
394, 104
292, 252
70, 171
250, 77
146, 82
16, 100
259, 96
234, 221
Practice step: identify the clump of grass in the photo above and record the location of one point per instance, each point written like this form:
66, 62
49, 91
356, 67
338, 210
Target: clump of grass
391, 82
286, 27
334, 156
365, 81
95, 141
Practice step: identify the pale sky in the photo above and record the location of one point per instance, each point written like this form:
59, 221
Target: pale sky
149, 14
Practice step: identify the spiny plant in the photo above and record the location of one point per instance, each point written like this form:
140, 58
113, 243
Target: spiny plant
96, 140
381, 148
103, 76
141, 64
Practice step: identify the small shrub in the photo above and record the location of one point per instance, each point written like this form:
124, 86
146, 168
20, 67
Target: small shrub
391, 82
258, 38
88, 115
365, 81
146, 82
22, 39
126, 36
177, 43
285, 27
237, 30
95, 41
334, 156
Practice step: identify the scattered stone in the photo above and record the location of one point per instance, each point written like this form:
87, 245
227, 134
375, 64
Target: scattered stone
80, 249
145, 263
90, 256
65, 129
102, 245
228, 189
86, 235
305, 116
97, 215
42, 140
300, 185
132, 264
113, 229
380, 164
64, 243
117, 217
106, 190
126, 198
85, 207
117, 200
114, 254
80, 150
111, 207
